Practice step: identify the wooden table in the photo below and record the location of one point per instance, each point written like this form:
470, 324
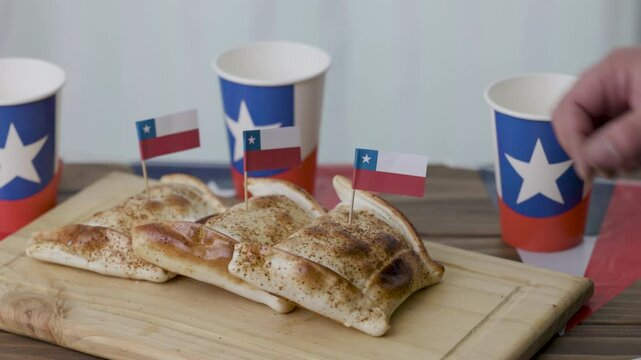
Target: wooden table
455, 211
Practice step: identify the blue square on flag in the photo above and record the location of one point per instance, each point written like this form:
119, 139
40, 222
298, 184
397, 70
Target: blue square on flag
146, 129
366, 159
168, 134
252, 140
390, 172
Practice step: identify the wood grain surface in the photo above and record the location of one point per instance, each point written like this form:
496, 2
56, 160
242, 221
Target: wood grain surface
613, 332
616, 337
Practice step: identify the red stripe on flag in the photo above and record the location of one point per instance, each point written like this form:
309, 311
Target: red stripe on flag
272, 159
391, 183
168, 144
301, 175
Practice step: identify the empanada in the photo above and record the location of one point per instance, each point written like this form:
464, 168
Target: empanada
102, 243
356, 274
203, 251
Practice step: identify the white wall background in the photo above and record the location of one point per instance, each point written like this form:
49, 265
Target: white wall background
407, 75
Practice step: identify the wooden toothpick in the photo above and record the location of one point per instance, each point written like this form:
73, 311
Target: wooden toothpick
351, 208
245, 188
144, 174
245, 180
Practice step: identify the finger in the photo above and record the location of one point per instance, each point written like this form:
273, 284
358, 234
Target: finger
615, 146
572, 125
594, 98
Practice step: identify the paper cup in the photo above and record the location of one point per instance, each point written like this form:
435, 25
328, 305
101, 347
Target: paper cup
542, 202
273, 84
29, 127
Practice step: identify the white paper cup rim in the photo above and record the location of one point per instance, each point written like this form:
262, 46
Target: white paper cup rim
272, 63
25, 80
538, 104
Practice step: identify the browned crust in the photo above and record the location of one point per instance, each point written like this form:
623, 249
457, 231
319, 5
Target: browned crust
268, 219
178, 199
184, 239
272, 183
103, 250
354, 251
356, 274
194, 182
308, 284
198, 252
89, 242
395, 281
399, 220
102, 243
369, 253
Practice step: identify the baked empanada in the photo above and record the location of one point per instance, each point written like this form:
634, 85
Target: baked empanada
356, 274
102, 243
203, 250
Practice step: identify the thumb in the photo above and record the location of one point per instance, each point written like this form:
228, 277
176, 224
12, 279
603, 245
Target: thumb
615, 146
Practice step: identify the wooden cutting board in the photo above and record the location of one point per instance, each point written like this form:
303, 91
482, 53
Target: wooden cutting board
484, 308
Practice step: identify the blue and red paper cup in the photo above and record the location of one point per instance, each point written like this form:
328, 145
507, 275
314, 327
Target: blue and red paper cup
29, 124
273, 84
543, 203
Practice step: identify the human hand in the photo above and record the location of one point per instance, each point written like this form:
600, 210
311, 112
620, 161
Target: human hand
598, 122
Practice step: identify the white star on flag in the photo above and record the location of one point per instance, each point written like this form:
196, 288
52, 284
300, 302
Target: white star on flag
146, 129
366, 159
244, 122
251, 139
16, 158
539, 176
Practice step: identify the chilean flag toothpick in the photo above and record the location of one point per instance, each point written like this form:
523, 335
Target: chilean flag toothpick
165, 135
267, 149
389, 172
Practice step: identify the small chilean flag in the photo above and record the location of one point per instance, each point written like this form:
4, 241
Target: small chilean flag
389, 172
277, 148
168, 134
